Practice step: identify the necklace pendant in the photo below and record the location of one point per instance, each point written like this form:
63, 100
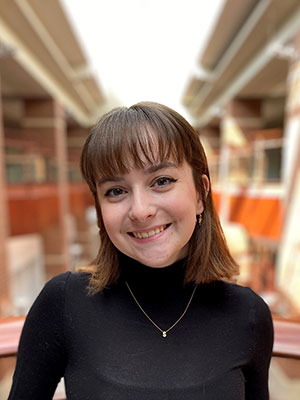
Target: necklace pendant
164, 333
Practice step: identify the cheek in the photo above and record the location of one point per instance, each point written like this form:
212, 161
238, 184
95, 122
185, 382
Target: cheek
110, 217
183, 209
187, 202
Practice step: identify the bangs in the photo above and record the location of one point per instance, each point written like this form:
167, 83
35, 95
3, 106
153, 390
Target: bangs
131, 138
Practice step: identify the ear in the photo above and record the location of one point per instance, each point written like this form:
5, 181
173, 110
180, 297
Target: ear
206, 185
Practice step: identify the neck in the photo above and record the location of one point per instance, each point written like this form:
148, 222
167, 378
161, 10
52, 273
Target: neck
156, 283
159, 291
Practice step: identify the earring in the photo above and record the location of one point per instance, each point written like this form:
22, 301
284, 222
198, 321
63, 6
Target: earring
199, 219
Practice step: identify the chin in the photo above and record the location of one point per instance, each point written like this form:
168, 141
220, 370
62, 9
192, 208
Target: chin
158, 263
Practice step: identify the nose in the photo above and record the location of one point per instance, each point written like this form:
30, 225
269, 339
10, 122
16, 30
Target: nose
142, 207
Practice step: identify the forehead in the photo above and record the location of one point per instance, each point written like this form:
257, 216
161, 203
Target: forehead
147, 170
115, 158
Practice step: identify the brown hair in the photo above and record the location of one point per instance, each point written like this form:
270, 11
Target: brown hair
125, 138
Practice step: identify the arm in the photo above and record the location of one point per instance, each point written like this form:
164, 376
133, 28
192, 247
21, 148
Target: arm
257, 371
41, 356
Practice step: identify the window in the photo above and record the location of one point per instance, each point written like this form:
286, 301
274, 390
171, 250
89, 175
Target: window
273, 164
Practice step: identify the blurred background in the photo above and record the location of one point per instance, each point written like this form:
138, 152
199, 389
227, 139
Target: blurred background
231, 67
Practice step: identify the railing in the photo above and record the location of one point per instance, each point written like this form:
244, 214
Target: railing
10, 330
286, 340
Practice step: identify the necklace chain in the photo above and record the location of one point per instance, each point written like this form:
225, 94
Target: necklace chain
164, 332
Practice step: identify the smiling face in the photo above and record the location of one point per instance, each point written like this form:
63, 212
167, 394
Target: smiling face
149, 213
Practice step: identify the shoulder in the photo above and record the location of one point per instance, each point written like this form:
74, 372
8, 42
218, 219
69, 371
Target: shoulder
61, 285
233, 299
235, 292
62, 288
66, 279
253, 308
58, 281
248, 297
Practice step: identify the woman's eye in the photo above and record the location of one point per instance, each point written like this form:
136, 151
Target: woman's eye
164, 181
115, 192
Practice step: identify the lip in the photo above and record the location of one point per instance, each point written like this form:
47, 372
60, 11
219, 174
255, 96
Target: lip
151, 229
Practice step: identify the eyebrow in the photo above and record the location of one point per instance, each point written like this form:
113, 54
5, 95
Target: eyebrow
157, 167
147, 171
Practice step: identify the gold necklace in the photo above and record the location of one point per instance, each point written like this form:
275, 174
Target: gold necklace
164, 332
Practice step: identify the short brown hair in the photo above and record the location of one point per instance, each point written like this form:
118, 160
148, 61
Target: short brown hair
116, 144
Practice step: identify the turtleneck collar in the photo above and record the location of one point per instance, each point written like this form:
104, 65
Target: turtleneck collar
155, 282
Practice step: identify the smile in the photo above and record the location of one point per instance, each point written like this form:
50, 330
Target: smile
150, 233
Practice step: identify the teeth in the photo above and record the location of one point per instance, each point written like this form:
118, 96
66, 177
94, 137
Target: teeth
145, 235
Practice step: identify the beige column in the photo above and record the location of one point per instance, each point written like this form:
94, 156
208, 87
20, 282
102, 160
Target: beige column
45, 122
292, 125
4, 227
62, 180
240, 118
289, 254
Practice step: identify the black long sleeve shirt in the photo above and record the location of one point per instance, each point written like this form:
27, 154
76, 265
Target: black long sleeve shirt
105, 347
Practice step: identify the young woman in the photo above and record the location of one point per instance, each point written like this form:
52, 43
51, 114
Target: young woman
158, 318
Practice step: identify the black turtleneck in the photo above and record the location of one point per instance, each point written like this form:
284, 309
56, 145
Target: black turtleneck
106, 348
160, 291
